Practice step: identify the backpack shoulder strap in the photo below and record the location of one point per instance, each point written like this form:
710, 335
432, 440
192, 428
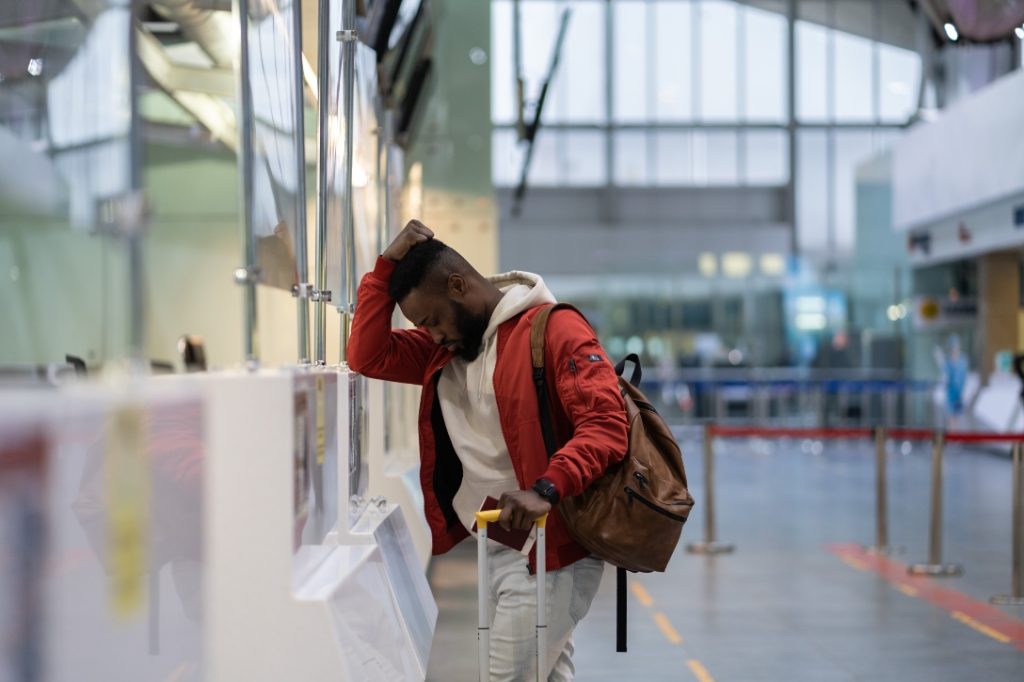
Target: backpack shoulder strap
538, 331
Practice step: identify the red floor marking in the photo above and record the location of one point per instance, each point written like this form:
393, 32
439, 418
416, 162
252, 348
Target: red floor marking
929, 590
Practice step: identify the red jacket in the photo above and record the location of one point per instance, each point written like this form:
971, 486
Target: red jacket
587, 408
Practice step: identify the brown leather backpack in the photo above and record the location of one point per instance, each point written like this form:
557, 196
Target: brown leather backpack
633, 515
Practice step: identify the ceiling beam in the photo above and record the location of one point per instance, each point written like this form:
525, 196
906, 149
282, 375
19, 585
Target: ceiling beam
185, 85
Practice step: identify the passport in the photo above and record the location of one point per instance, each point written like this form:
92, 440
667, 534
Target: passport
520, 540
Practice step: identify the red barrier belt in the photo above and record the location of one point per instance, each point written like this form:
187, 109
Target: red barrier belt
967, 437
768, 432
910, 434
721, 431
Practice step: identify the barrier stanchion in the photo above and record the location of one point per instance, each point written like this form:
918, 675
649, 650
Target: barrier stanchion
935, 567
1016, 596
709, 546
881, 495
889, 407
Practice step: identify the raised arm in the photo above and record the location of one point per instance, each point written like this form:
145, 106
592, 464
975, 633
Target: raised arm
375, 349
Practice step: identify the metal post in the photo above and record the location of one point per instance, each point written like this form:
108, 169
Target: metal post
762, 398
383, 164
133, 216
483, 632
346, 302
791, 127
301, 250
249, 275
889, 407
820, 403
1016, 596
881, 495
392, 182
324, 40
345, 320
542, 600
709, 546
865, 404
935, 567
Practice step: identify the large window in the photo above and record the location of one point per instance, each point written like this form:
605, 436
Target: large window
696, 93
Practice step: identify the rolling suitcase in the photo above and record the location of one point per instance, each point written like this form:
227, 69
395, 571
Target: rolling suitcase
483, 631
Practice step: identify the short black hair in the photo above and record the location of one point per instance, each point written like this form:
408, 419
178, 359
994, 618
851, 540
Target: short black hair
421, 260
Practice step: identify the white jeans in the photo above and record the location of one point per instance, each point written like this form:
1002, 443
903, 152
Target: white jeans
570, 591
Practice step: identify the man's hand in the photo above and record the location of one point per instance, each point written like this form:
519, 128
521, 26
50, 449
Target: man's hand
414, 233
519, 509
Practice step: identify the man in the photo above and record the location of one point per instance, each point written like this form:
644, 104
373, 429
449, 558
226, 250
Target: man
479, 425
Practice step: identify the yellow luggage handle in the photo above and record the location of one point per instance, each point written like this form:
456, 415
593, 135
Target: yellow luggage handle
491, 516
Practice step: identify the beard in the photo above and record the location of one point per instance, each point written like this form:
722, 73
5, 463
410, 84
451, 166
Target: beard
471, 330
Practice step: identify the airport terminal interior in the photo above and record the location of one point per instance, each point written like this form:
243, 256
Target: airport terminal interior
804, 219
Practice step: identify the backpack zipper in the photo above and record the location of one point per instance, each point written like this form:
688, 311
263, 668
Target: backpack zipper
634, 495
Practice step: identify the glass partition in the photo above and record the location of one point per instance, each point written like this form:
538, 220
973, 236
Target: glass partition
65, 111
365, 168
275, 197
351, 254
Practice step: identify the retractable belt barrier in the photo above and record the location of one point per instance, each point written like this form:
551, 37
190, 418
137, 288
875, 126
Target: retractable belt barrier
934, 566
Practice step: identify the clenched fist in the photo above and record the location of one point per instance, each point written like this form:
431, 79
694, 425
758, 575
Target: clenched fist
414, 233
519, 509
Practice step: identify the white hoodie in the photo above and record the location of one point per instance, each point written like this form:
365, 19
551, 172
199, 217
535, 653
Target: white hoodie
466, 392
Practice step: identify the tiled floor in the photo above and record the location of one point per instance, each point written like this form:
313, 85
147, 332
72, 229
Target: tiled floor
784, 607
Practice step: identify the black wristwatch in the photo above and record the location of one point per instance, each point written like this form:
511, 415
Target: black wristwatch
547, 490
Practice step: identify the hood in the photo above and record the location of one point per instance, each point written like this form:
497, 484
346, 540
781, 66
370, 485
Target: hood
523, 290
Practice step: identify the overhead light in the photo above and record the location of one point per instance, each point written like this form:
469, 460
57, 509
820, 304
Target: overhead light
811, 321
773, 264
736, 264
1020, 33
951, 32
810, 304
35, 67
707, 263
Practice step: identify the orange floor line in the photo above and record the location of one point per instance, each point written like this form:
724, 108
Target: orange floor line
979, 615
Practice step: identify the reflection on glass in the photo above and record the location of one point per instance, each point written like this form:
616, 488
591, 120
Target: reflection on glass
365, 202
65, 109
358, 454
123, 605
315, 470
365, 137
277, 159
22, 525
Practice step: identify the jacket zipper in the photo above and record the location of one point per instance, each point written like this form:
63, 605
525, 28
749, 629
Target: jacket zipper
634, 495
574, 370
